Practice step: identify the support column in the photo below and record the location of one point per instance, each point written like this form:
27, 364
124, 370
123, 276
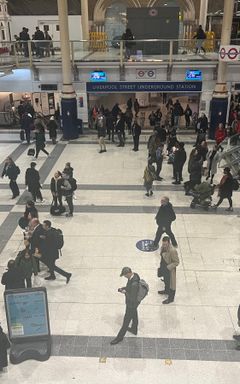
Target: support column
203, 13
68, 99
219, 103
85, 23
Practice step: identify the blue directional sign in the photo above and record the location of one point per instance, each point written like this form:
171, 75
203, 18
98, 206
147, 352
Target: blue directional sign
146, 246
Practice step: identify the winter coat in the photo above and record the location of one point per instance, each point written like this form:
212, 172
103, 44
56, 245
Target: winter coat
171, 259
40, 140
226, 186
28, 266
4, 346
52, 128
220, 135
177, 109
32, 179
131, 289
165, 215
136, 129
180, 157
13, 278
202, 124
214, 163
196, 170
11, 170
120, 125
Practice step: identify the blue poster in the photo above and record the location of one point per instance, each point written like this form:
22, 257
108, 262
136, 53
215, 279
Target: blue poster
143, 86
27, 313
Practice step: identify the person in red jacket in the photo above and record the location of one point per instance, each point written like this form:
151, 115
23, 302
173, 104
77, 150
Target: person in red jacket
220, 134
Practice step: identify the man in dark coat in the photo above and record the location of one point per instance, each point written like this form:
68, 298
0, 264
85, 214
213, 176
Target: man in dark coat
136, 132
177, 112
26, 125
180, 157
4, 346
136, 107
14, 277
120, 126
51, 253
164, 219
32, 181
131, 294
39, 35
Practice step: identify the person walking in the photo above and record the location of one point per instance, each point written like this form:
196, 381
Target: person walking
101, 129
164, 219
26, 125
188, 114
131, 298
225, 189
4, 346
213, 158
200, 36
32, 181
11, 170
40, 140
136, 132
51, 252
14, 277
136, 107
52, 129
149, 176
120, 125
167, 270
180, 158
27, 263
67, 191
177, 113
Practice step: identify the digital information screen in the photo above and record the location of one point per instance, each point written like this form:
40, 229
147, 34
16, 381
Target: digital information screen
193, 74
27, 313
98, 76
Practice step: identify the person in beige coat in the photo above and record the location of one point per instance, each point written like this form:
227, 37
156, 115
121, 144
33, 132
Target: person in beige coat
167, 270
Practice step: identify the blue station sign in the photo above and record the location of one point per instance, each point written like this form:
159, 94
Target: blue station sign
144, 86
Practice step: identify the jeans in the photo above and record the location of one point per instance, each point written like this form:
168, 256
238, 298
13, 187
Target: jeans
121, 139
69, 200
28, 282
178, 174
14, 187
168, 231
136, 142
130, 315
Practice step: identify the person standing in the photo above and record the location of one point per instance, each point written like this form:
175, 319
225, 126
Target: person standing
180, 158
27, 263
67, 191
188, 114
128, 119
68, 169
131, 298
30, 213
101, 129
136, 132
4, 346
51, 253
220, 134
14, 277
213, 158
11, 170
136, 107
164, 219
149, 176
110, 125
129, 103
26, 125
159, 160
200, 36
52, 128
32, 181
40, 140
225, 189
167, 270
116, 111
39, 36
55, 186
152, 119
129, 43
120, 125
177, 112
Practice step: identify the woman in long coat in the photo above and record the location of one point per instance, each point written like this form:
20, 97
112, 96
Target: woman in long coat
225, 189
213, 157
167, 270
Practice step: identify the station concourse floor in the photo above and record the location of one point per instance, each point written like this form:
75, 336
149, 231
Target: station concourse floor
186, 342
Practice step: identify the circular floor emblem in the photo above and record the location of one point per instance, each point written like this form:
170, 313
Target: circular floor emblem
146, 246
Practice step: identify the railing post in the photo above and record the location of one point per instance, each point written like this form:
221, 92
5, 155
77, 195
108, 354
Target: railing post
72, 52
121, 53
30, 52
171, 52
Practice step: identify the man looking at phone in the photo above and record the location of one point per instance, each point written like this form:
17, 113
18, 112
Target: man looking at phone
131, 297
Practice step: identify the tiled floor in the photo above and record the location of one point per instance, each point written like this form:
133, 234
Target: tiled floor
180, 343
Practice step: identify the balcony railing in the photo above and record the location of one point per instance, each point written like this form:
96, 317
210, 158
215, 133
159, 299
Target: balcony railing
26, 53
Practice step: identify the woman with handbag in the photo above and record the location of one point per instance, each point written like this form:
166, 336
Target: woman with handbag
27, 262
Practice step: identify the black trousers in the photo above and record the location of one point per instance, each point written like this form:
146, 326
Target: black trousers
14, 187
130, 315
69, 200
168, 290
221, 200
121, 138
53, 268
178, 174
28, 135
168, 231
159, 167
40, 149
36, 193
57, 199
28, 282
136, 142
187, 119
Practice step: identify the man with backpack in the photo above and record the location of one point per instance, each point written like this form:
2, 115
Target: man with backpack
135, 291
69, 185
53, 242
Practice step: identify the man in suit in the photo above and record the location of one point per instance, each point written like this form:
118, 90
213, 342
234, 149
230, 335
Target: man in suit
32, 181
131, 294
51, 253
164, 219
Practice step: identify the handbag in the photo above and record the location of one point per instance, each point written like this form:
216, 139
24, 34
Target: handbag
31, 152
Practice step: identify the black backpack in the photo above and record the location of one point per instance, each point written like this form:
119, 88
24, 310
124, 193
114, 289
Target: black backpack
73, 183
235, 185
59, 238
